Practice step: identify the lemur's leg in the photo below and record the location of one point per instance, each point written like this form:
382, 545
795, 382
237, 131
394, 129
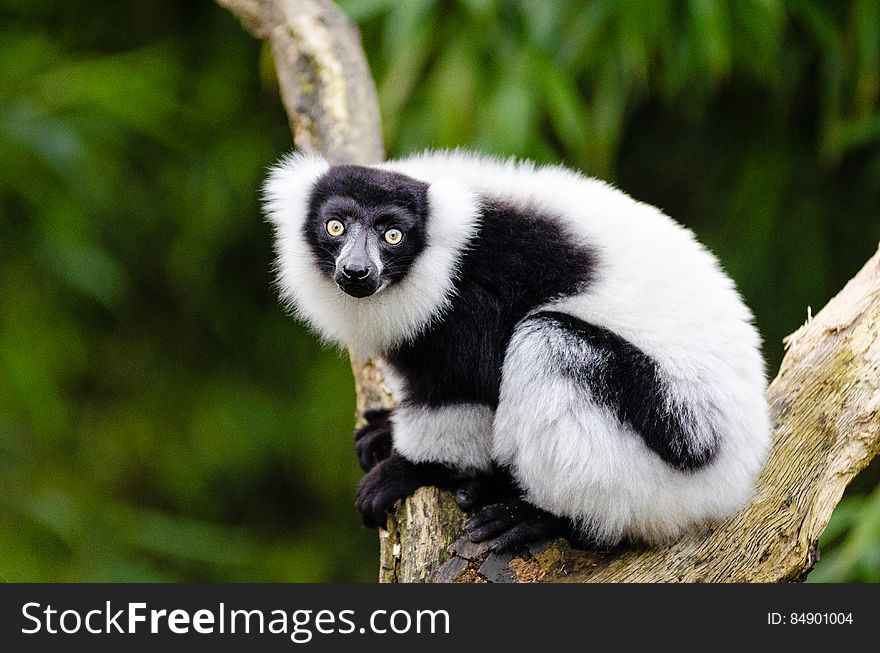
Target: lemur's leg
458, 435
513, 524
501, 514
594, 433
516, 523
372, 441
433, 445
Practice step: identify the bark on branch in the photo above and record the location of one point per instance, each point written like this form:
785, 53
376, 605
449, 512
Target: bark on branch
322, 73
825, 402
331, 103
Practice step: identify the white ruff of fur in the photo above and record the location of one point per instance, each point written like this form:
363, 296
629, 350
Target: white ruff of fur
395, 314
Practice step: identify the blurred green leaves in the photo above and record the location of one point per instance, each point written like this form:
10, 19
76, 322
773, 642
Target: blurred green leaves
850, 545
162, 419
499, 71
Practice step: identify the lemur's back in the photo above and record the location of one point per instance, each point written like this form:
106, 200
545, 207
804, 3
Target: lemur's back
655, 284
520, 259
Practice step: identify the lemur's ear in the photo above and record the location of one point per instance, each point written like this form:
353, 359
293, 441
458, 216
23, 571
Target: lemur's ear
288, 187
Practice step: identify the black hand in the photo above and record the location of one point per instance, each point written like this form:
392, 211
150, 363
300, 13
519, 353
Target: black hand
392, 479
372, 441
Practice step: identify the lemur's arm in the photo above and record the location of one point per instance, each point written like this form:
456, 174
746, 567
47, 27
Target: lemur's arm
372, 441
459, 432
396, 478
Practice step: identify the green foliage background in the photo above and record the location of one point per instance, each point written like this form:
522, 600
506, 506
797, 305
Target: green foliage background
162, 419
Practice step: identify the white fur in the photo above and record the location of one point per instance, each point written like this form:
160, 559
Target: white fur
575, 459
459, 435
655, 286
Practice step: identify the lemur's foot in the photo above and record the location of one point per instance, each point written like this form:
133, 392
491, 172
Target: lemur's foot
513, 525
372, 441
486, 489
392, 479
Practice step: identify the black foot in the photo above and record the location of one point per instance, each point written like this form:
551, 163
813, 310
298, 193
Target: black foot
513, 525
486, 489
392, 479
372, 441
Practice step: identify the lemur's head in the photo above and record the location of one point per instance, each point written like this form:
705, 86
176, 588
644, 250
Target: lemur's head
367, 255
365, 226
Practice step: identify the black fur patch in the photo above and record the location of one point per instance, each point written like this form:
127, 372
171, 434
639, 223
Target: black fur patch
626, 380
483, 489
373, 441
514, 524
519, 260
376, 200
393, 479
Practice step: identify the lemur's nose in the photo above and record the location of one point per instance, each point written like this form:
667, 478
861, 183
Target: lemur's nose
356, 270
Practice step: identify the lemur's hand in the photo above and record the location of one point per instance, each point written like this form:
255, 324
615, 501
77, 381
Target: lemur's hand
392, 479
513, 524
372, 441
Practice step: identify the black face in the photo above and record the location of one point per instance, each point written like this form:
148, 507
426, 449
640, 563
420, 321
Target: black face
366, 226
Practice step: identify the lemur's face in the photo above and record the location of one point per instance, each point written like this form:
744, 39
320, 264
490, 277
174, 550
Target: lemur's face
365, 227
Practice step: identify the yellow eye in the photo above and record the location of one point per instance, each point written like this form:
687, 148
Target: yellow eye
335, 228
393, 236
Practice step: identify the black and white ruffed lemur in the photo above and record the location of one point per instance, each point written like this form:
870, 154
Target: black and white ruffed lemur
572, 360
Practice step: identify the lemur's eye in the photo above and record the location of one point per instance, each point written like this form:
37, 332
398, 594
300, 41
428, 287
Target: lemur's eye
335, 228
393, 236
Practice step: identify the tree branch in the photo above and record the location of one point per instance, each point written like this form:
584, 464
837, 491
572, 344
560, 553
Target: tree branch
825, 402
331, 103
322, 73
